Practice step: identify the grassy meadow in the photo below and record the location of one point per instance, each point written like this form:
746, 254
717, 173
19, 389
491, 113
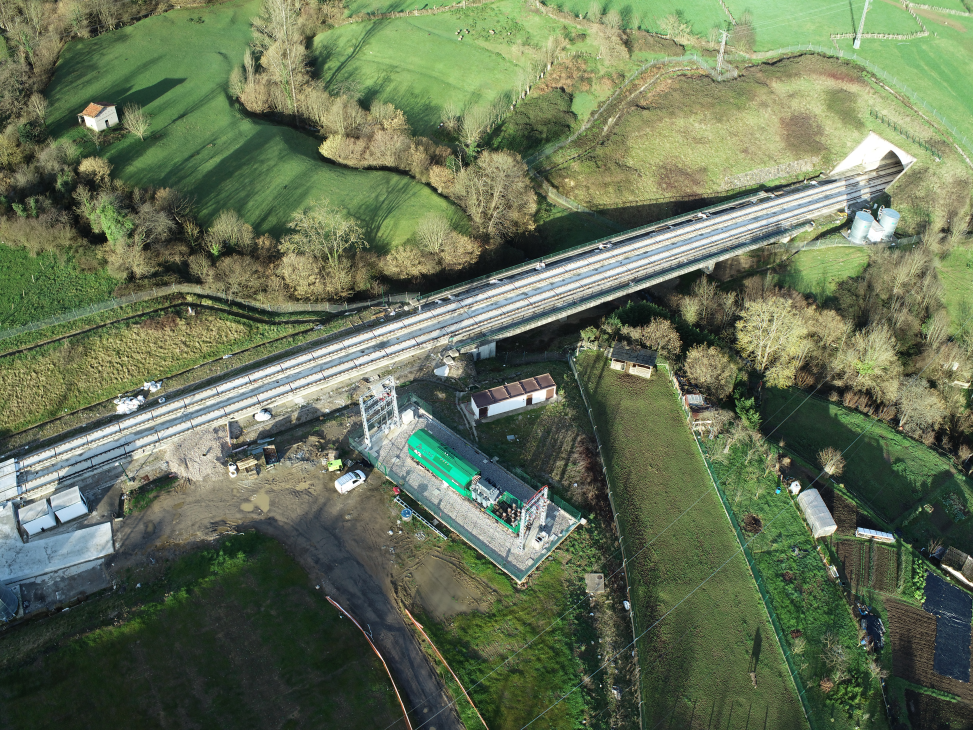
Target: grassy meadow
419, 63
203, 144
956, 274
696, 661
35, 287
44, 382
818, 272
197, 642
889, 472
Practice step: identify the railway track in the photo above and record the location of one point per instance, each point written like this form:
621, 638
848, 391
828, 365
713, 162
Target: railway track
523, 297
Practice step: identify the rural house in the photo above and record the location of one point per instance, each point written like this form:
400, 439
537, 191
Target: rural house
636, 362
512, 396
99, 116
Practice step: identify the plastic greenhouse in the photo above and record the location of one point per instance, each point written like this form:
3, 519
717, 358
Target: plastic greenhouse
816, 513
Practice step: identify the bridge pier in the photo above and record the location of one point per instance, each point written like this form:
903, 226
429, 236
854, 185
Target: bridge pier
485, 350
708, 268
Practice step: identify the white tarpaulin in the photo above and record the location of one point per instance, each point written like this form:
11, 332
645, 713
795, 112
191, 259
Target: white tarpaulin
36, 517
68, 505
152, 386
128, 405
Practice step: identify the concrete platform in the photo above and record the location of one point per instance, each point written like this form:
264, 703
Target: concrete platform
43, 555
462, 515
53, 590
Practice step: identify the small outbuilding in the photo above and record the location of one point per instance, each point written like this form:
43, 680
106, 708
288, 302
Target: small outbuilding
99, 116
37, 517
634, 362
816, 513
510, 397
69, 505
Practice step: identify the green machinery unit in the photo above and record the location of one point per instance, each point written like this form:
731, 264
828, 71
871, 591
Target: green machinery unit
442, 461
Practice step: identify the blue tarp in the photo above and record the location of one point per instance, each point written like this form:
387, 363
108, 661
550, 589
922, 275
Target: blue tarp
953, 609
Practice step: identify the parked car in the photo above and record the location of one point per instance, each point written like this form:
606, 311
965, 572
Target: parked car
349, 481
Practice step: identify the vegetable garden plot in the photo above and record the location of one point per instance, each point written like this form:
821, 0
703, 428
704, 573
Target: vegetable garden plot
869, 565
845, 515
912, 635
953, 609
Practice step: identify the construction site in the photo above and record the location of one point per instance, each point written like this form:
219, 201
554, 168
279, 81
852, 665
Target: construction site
510, 523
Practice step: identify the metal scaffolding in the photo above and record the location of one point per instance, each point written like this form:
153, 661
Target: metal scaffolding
535, 507
379, 409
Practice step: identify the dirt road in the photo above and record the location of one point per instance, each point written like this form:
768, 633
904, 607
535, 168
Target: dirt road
343, 542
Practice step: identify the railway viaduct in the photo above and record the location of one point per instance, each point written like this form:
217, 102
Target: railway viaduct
473, 315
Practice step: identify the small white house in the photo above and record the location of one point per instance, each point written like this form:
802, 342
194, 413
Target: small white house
68, 505
36, 517
99, 116
510, 397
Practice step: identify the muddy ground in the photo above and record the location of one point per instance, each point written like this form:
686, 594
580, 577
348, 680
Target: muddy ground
343, 542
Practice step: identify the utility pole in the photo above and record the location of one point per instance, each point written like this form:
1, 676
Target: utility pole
719, 59
861, 26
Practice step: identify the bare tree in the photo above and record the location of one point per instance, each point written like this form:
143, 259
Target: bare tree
496, 193
770, 333
229, 231
869, 363
135, 120
277, 34
832, 461
659, 335
613, 19
921, 408
475, 123
711, 369
38, 106
327, 234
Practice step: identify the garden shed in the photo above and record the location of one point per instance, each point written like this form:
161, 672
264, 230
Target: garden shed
635, 362
99, 116
510, 397
816, 513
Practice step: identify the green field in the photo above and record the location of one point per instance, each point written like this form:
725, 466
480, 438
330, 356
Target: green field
696, 661
419, 64
35, 287
391, 6
701, 14
235, 636
891, 473
416, 63
206, 146
956, 274
818, 271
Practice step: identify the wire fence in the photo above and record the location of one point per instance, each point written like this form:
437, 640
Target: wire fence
161, 291
618, 530
892, 124
755, 571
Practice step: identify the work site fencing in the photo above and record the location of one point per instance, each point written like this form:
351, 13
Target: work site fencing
161, 291
621, 542
757, 576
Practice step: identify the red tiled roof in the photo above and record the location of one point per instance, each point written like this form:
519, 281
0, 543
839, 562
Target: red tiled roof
486, 398
95, 108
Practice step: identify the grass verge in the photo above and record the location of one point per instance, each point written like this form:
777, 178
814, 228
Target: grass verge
233, 636
699, 646
142, 497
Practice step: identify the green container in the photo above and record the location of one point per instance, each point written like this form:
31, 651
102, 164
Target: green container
442, 461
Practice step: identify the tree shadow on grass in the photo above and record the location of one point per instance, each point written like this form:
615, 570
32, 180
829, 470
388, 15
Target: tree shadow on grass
148, 94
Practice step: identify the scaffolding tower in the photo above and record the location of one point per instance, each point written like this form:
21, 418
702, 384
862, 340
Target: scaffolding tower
379, 409
535, 506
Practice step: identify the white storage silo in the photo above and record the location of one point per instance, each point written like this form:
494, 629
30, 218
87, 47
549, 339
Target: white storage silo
888, 219
860, 226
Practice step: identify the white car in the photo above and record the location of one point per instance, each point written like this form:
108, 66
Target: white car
263, 415
349, 481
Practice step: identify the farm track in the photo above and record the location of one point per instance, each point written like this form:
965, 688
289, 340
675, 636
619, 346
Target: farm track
527, 297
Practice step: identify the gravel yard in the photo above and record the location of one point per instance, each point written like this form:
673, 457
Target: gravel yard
465, 517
